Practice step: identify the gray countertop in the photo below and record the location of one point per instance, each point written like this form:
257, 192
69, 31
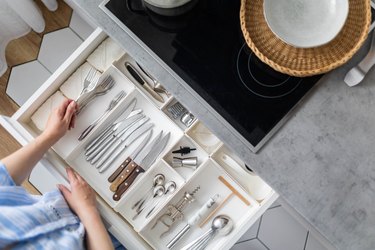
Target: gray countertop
321, 161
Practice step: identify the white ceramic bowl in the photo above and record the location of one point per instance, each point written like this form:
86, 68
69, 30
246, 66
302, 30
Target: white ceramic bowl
306, 23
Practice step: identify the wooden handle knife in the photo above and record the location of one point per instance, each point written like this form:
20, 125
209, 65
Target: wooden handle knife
127, 183
119, 169
123, 176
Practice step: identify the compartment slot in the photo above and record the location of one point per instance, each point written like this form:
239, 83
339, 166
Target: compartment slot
201, 155
69, 143
252, 183
120, 65
143, 188
206, 178
178, 113
204, 137
100, 180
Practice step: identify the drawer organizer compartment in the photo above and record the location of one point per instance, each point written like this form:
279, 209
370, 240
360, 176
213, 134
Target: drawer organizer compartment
161, 138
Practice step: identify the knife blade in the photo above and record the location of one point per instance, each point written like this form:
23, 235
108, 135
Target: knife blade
123, 116
124, 142
128, 169
139, 78
120, 137
132, 156
144, 165
128, 141
115, 127
120, 130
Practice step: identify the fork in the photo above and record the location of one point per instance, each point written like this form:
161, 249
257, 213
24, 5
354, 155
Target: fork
156, 84
111, 106
100, 89
91, 77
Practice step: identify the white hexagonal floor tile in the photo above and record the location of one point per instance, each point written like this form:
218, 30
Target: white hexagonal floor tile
80, 26
25, 79
280, 231
57, 46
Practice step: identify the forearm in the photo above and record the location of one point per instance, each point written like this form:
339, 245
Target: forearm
20, 163
96, 234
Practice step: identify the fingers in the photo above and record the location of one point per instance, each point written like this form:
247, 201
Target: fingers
64, 190
61, 110
70, 111
72, 122
79, 178
71, 175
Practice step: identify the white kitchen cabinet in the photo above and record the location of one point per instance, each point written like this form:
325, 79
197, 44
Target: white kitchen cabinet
137, 234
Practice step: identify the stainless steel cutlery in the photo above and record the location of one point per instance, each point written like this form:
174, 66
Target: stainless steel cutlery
100, 88
121, 146
111, 106
122, 135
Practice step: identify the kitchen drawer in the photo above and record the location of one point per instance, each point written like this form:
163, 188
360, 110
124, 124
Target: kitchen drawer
137, 233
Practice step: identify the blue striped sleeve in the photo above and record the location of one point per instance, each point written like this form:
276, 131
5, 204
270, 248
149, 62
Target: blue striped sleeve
5, 179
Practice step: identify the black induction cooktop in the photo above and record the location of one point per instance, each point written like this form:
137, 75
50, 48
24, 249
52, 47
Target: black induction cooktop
206, 48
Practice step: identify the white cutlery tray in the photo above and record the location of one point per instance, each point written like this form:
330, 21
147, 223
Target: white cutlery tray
207, 147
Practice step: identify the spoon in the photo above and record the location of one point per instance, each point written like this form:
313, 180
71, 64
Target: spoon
170, 187
158, 180
158, 191
221, 225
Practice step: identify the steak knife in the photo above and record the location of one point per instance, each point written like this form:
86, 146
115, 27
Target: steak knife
142, 167
109, 131
112, 127
121, 137
121, 146
125, 167
138, 77
96, 153
130, 157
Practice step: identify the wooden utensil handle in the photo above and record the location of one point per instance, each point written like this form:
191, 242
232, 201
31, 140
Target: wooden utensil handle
119, 169
127, 183
226, 183
123, 176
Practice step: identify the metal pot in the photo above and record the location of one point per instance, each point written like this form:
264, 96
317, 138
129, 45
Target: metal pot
162, 7
170, 7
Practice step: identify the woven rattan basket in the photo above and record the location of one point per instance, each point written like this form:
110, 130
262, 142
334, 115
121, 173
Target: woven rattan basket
301, 61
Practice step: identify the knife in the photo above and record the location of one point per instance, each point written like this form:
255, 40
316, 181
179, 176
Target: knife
110, 156
103, 146
126, 169
128, 112
108, 132
122, 135
142, 167
133, 155
118, 127
139, 78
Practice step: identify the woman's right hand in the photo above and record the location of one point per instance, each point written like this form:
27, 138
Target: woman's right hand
81, 198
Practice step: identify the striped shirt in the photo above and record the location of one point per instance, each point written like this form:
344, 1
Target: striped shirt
34, 221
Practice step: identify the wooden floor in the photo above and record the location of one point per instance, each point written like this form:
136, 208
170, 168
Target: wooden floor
19, 51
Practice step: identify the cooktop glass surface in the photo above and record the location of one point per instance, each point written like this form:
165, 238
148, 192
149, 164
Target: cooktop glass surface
206, 48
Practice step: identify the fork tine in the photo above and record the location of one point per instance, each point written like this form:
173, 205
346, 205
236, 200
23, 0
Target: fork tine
106, 81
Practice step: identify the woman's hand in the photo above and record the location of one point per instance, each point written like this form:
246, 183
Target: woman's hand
60, 120
81, 198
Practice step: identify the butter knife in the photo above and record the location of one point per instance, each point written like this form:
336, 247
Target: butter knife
139, 78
